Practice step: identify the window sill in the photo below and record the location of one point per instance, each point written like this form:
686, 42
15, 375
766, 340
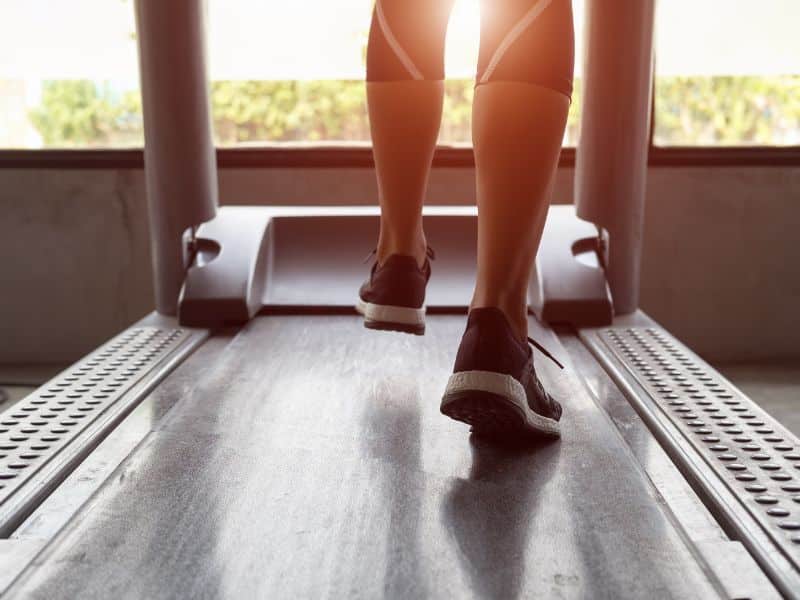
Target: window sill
288, 156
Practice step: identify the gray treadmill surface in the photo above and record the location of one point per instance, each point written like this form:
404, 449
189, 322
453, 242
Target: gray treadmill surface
325, 252
304, 456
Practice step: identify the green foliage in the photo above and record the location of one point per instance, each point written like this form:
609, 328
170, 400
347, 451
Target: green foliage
689, 111
79, 113
728, 110
259, 111
574, 116
457, 112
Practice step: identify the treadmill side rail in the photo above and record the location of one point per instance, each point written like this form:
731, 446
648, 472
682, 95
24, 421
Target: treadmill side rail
743, 464
50, 432
224, 284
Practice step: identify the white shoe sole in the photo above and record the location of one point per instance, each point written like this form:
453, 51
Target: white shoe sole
493, 402
384, 316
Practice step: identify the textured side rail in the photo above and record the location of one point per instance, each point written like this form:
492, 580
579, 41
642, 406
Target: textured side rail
727, 440
44, 436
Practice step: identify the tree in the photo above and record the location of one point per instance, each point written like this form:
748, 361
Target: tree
689, 111
76, 113
728, 110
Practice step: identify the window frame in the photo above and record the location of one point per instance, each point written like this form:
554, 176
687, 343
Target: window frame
328, 155
288, 156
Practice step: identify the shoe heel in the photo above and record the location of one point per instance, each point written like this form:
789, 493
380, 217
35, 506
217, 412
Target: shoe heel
488, 413
392, 318
493, 405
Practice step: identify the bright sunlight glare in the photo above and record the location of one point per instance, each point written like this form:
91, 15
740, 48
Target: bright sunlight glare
320, 39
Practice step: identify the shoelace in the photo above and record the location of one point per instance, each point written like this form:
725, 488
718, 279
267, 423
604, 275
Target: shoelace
544, 351
428, 252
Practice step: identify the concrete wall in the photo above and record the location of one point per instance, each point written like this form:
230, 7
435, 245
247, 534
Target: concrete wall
721, 266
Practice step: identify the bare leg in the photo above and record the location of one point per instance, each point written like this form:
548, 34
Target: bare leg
404, 120
517, 131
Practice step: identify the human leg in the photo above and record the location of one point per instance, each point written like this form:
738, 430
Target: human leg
519, 114
405, 72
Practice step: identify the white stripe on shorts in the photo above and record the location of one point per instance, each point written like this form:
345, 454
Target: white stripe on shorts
512, 36
401, 54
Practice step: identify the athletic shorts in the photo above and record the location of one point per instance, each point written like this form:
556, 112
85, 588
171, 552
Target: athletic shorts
528, 41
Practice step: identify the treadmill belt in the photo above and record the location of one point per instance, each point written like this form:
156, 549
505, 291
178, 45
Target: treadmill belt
308, 459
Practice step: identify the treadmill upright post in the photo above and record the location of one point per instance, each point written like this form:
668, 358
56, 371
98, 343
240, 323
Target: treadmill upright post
611, 163
180, 163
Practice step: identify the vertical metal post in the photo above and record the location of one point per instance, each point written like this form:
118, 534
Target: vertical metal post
180, 163
611, 167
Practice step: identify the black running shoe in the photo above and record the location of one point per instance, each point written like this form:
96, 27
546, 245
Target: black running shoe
393, 298
494, 386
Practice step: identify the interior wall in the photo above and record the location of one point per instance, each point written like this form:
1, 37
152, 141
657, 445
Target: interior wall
720, 262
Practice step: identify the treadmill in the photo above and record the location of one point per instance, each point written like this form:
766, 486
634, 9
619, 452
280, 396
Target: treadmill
251, 439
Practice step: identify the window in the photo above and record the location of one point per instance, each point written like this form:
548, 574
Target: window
280, 72
280, 75
68, 74
727, 73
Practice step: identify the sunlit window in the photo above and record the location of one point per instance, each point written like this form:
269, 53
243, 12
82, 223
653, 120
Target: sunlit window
292, 72
727, 73
280, 72
68, 74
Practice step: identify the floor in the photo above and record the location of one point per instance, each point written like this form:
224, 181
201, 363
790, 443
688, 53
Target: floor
776, 388
17, 381
11, 394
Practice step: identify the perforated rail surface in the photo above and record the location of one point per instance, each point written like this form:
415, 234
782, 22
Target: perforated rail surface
42, 435
756, 457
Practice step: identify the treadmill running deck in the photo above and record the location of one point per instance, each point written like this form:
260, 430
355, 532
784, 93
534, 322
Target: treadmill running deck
305, 457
